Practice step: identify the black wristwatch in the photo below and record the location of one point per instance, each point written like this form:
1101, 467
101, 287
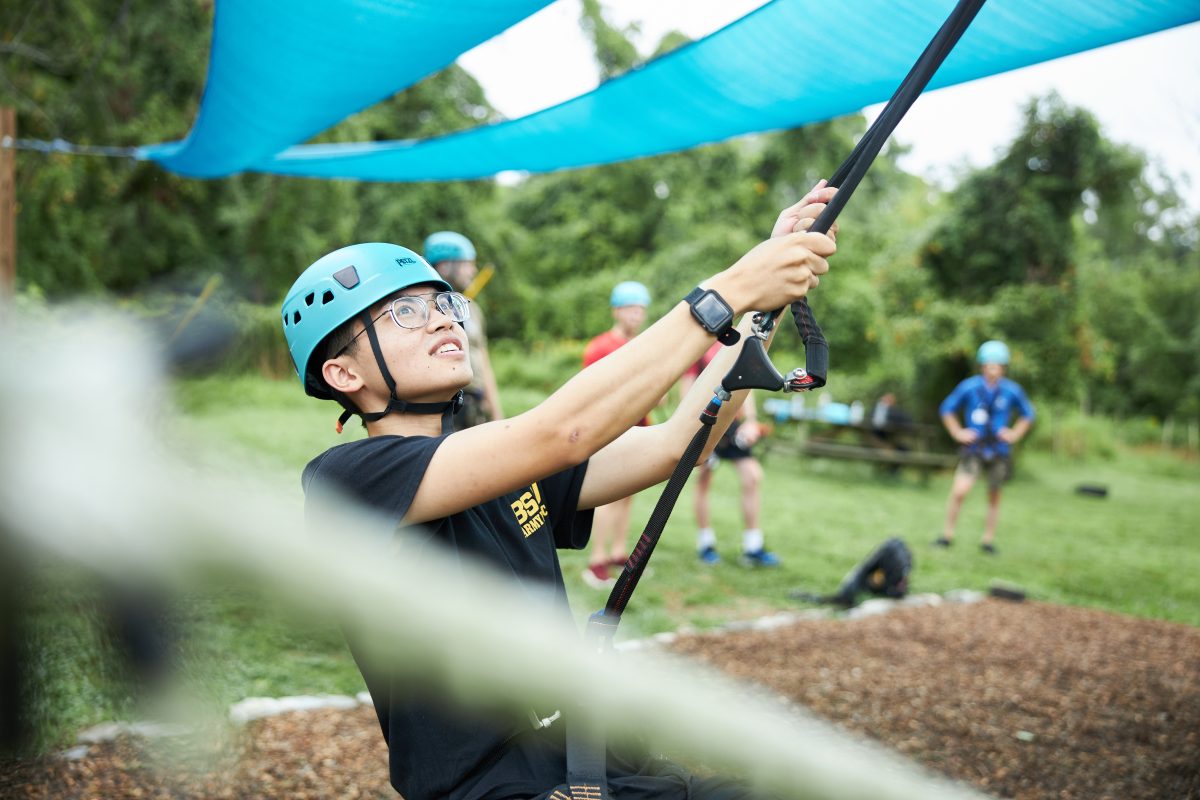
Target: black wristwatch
713, 314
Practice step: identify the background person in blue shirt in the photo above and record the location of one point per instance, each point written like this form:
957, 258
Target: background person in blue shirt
987, 403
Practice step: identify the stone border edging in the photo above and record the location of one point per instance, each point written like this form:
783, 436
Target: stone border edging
252, 708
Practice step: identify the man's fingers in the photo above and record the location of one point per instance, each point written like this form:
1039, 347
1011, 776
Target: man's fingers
819, 197
819, 243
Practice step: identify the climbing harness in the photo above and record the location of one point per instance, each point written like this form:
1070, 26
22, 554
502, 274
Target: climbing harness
586, 776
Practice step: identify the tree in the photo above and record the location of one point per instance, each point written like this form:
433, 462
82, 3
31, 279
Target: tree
132, 73
1012, 222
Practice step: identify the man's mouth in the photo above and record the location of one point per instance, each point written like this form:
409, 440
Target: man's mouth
449, 346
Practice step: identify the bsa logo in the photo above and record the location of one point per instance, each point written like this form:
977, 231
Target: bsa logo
529, 511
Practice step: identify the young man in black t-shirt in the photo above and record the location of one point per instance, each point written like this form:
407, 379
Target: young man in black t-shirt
375, 328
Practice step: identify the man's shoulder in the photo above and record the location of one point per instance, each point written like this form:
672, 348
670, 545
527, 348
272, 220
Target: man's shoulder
349, 457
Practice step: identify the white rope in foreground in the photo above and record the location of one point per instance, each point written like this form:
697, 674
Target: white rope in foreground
82, 475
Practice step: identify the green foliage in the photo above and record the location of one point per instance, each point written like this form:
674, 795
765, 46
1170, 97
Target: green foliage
132, 73
1065, 247
1012, 221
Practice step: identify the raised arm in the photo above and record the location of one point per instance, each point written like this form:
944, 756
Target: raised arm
605, 400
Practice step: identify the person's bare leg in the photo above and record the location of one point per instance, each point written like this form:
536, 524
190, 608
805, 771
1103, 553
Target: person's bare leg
751, 474
618, 543
604, 523
958, 492
993, 515
700, 498
706, 537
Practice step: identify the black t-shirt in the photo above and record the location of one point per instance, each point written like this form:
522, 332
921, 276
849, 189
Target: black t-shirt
433, 751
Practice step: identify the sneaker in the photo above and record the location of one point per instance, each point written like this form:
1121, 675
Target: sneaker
941, 541
617, 563
597, 577
759, 558
709, 556
988, 548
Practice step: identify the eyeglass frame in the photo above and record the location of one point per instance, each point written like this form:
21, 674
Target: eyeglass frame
391, 309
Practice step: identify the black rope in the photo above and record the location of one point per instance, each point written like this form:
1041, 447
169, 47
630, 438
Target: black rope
847, 176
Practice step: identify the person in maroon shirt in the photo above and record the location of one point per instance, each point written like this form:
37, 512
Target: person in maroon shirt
735, 447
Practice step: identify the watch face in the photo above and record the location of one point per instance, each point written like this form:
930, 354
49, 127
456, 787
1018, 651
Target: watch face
712, 311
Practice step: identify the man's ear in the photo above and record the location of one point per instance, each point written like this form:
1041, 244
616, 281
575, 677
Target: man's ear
342, 375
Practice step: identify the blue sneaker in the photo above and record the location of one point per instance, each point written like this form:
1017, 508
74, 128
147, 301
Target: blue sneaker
709, 556
759, 558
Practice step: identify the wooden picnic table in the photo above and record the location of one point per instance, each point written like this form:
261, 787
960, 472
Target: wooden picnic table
922, 447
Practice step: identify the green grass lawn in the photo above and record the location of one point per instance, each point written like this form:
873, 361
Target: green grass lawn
1134, 552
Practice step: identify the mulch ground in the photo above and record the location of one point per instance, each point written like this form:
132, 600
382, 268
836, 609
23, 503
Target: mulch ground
1023, 700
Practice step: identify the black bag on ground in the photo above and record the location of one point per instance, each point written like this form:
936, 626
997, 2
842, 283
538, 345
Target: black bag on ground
884, 573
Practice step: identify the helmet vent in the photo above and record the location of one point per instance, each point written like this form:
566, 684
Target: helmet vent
285, 320
295, 317
327, 297
308, 298
347, 277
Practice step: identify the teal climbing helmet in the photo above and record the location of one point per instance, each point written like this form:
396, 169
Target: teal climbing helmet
338, 286
629, 293
992, 352
448, 246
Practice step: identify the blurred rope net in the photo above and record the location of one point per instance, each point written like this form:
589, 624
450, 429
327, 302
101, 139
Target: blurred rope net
84, 476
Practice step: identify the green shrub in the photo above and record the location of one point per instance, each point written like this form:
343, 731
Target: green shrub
259, 346
1073, 435
541, 366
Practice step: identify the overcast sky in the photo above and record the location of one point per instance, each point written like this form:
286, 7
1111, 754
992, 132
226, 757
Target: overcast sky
1145, 92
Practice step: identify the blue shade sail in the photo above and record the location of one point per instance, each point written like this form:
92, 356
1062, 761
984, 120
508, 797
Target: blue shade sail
282, 71
789, 63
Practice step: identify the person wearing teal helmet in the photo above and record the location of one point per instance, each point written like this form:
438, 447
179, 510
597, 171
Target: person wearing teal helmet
453, 256
610, 528
377, 329
332, 304
987, 403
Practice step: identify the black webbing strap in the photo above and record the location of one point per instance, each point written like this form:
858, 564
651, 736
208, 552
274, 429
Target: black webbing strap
586, 750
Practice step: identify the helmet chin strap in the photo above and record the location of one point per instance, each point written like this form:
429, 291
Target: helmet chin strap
395, 405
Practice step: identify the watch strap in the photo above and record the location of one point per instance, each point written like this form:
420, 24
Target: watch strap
725, 334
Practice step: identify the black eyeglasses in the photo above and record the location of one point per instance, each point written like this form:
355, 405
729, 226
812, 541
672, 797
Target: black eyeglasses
411, 311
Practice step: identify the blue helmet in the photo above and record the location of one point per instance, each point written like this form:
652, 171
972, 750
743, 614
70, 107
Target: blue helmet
629, 293
338, 286
992, 352
448, 246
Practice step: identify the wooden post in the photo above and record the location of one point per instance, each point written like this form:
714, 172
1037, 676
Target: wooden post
8, 202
